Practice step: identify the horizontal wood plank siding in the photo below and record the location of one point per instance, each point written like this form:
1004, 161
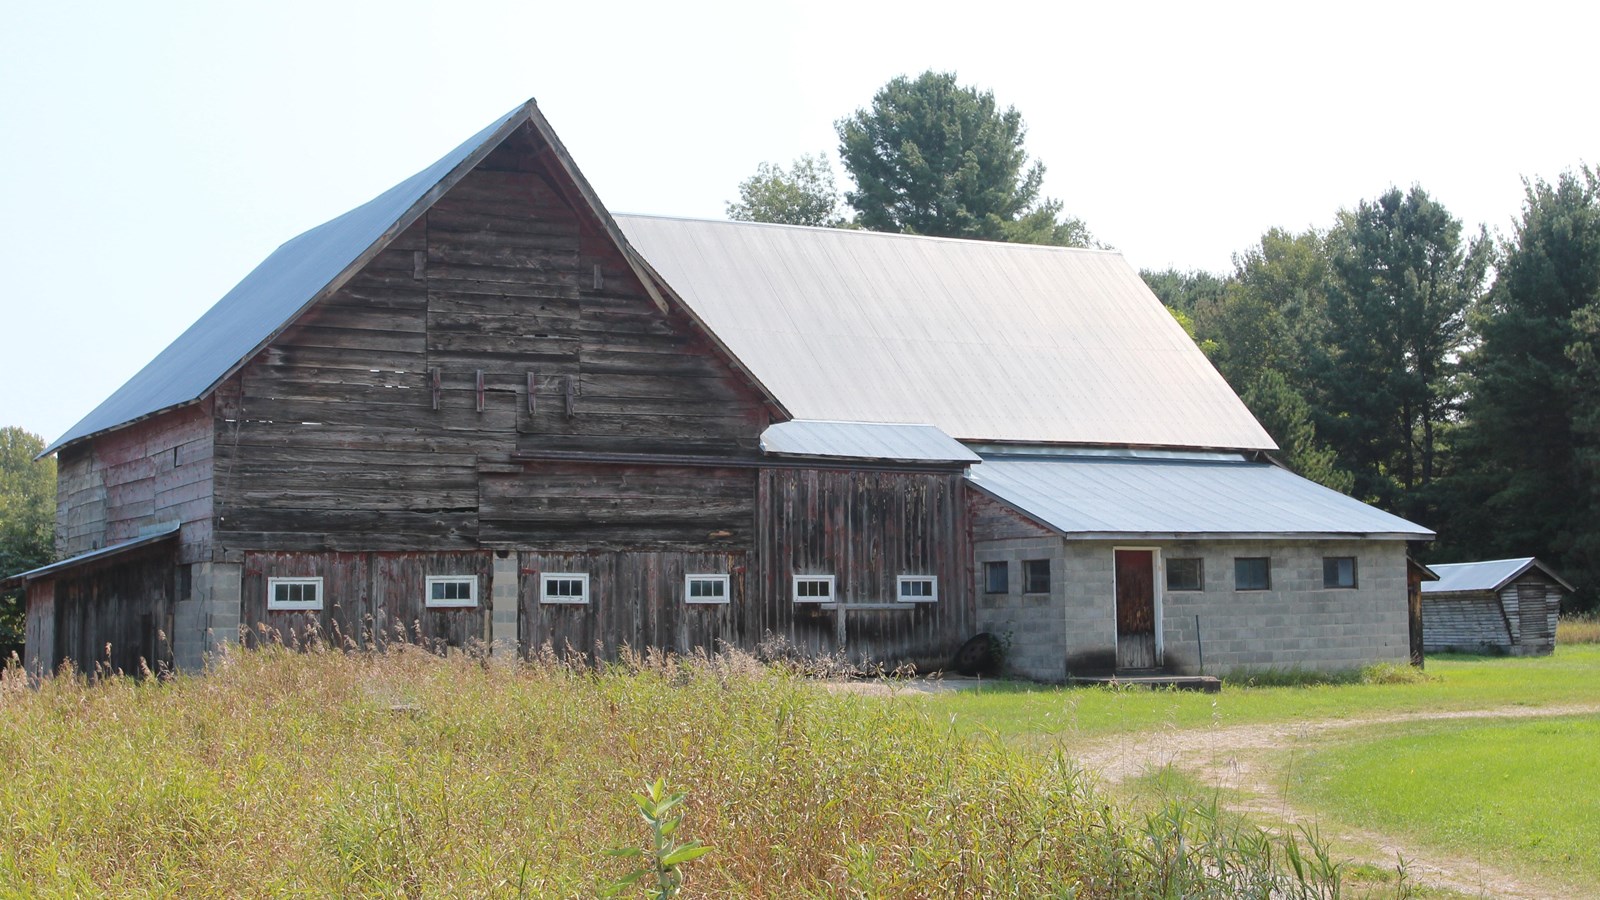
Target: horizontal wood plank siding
117, 486
337, 438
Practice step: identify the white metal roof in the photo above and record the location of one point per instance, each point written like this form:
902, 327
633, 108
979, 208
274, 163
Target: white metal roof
864, 440
1488, 575
1104, 497
987, 341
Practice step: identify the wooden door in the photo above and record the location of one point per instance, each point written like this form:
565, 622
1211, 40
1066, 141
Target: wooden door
1136, 609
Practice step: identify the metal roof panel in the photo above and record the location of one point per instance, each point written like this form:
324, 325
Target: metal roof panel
270, 297
1486, 575
987, 341
864, 440
1107, 496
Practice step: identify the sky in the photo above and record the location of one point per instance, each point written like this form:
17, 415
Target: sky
153, 153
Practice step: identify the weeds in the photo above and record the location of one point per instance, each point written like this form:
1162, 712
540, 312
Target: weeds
330, 772
1579, 628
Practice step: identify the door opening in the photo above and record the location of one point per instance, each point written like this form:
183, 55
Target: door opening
1137, 644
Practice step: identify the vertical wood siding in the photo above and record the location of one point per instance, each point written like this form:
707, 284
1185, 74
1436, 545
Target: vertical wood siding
636, 599
117, 616
865, 528
369, 599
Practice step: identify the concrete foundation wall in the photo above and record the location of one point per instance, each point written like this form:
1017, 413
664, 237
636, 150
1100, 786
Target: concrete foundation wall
1295, 624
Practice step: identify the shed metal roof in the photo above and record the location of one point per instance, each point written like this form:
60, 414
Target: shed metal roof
155, 535
1107, 497
1488, 575
864, 440
987, 341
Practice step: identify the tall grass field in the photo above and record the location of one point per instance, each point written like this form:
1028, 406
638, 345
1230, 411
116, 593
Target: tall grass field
407, 774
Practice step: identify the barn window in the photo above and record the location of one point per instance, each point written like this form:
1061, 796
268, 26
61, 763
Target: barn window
918, 588
997, 577
813, 589
1186, 574
1036, 576
1252, 573
294, 593
564, 587
1338, 571
705, 589
445, 591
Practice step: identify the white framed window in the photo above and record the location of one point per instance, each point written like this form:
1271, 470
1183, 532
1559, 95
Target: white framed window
813, 589
705, 589
917, 588
451, 591
564, 587
294, 593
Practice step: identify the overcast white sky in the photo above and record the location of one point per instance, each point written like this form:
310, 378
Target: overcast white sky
154, 152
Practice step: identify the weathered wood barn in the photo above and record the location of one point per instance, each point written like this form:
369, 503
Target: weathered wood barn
1497, 606
481, 407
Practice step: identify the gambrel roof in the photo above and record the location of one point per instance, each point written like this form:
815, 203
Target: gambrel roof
985, 341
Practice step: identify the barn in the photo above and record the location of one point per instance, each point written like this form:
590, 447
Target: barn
1498, 606
483, 408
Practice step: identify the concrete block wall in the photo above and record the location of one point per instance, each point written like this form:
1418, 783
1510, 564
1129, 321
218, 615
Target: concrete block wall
1295, 624
1034, 627
1298, 623
209, 616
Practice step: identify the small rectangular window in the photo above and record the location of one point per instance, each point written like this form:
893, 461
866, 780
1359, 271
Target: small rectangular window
294, 593
1338, 571
813, 589
918, 588
450, 591
705, 589
564, 587
997, 577
1036, 576
1186, 574
1252, 573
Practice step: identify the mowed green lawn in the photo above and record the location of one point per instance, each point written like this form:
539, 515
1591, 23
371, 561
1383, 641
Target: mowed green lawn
1523, 790
1043, 715
1516, 793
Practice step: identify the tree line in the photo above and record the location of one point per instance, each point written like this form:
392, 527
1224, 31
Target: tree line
1441, 374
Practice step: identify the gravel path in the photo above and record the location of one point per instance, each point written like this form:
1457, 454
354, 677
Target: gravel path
1246, 758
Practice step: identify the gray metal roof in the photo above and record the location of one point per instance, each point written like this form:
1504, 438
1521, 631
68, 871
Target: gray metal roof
155, 535
1104, 497
988, 341
864, 440
270, 297
1488, 575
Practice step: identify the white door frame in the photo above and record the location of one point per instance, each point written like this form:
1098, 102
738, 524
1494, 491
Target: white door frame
1157, 582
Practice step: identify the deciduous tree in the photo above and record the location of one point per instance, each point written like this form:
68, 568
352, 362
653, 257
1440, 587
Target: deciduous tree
803, 194
27, 520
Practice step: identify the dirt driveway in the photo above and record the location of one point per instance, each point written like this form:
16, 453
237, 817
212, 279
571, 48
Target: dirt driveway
1242, 759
